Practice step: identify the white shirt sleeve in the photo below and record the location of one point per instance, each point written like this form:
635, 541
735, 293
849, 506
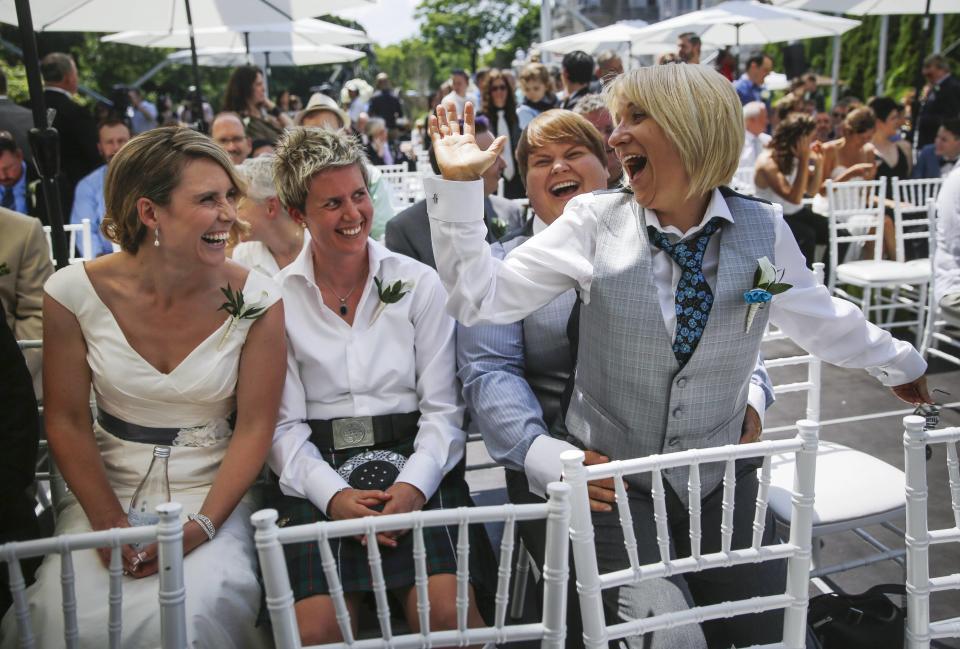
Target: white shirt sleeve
303, 471
834, 329
483, 289
441, 440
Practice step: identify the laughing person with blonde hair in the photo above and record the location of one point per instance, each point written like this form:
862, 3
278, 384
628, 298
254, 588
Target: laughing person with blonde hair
665, 355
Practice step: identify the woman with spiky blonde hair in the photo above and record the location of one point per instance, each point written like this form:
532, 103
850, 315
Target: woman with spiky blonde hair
669, 330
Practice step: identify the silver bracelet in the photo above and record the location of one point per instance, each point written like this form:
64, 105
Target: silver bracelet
205, 524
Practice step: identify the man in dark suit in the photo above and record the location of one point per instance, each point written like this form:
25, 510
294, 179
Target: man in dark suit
937, 160
576, 72
409, 231
77, 128
385, 104
942, 100
15, 119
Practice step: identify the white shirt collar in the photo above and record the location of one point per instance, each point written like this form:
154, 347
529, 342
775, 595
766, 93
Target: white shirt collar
716, 207
302, 266
538, 225
60, 90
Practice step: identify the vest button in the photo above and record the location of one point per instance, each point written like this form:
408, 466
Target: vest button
677, 411
681, 382
673, 441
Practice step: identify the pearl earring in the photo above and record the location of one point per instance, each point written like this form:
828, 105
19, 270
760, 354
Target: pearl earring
156, 238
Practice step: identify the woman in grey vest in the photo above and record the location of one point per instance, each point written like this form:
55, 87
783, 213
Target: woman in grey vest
665, 354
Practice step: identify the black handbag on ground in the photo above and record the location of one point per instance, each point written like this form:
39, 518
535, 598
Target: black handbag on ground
869, 620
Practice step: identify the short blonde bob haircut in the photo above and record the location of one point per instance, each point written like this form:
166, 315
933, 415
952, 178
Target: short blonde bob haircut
699, 112
558, 125
149, 166
303, 152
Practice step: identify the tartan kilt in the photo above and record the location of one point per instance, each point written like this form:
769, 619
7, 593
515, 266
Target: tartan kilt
303, 559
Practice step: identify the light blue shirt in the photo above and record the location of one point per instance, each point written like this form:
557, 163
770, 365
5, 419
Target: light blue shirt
19, 191
88, 204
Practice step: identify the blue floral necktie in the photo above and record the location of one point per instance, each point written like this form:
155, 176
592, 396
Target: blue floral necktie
694, 298
9, 200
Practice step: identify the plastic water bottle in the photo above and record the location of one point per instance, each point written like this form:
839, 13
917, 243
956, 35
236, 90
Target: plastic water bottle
152, 491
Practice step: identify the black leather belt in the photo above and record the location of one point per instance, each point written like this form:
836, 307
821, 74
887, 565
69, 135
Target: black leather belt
361, 432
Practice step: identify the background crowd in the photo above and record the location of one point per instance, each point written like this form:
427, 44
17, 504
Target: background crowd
554, 133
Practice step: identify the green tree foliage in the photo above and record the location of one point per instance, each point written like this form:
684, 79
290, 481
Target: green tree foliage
467, 26
907, 45
526, 30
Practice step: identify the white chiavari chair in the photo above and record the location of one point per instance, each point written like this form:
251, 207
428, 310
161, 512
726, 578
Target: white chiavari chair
743, 181
550, 630
406, 188
910, 214
168, 534
920, 628
590, 583
423, 162
841, 471
938, 327
391, 169
858, 207
72, 230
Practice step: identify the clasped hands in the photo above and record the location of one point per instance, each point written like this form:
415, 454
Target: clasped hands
399, 498
139, 563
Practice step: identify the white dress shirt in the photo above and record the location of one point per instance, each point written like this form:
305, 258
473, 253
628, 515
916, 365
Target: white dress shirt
402, 360
753, 146
948, 237
484, 289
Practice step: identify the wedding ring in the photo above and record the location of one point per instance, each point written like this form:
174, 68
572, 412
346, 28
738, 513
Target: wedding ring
141, 557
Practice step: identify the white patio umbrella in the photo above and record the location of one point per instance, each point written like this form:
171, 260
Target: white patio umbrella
290, 55
301, 32
609, 37
120, 15
741, 22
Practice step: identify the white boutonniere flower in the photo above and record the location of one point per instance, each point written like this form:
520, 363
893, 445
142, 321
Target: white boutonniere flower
766, 284
389, 294
238, 310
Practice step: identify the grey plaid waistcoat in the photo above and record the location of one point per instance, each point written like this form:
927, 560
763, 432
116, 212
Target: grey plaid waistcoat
630, 399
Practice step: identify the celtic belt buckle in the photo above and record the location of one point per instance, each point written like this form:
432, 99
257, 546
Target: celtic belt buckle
352, 432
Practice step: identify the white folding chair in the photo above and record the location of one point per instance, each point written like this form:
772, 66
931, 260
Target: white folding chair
423, 162
392, 169
858, 207
168, 534
910, 213
743, 180
920, 628
406, 188
590, 583
841, 471
71, 230
938, 328
550, 630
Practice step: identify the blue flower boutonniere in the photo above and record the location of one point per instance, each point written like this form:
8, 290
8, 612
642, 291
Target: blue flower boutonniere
766, 284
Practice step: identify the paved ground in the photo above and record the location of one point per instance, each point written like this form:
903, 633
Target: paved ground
869, 420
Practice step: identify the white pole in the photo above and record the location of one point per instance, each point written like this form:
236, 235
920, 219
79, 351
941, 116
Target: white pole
882, 55
917, 536
801, 526
173, 593
546, 27
584, 551
276, 581
556, 566
835, 72
938, 34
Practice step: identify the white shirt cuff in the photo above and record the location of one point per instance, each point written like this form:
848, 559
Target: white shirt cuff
542, 463
422, 472
454, 201
322, 485
757, 400
908, 366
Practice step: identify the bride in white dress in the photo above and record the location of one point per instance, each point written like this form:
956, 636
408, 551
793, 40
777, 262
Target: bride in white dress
167, 366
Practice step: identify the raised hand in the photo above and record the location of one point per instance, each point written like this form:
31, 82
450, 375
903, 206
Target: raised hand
456, 150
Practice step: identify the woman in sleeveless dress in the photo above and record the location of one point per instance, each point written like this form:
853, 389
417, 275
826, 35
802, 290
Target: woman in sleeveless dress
168, 367
787, 170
